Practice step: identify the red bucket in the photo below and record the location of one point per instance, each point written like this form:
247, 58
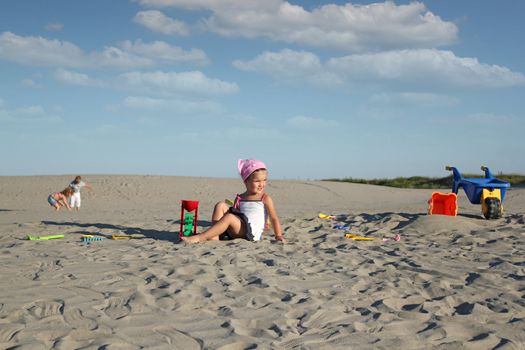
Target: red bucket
189, 205
443, 204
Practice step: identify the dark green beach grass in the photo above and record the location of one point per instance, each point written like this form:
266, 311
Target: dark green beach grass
515, 180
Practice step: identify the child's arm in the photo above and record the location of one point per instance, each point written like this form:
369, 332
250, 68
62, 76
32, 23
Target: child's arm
65, 202
274, 218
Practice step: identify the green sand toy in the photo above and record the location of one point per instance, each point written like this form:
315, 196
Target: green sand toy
44, 238
188, 224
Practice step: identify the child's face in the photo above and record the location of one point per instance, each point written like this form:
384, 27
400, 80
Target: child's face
256, 183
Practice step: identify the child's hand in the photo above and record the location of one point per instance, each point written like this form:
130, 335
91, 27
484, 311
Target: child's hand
280, 238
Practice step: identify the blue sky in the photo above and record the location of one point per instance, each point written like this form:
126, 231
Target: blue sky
315, 89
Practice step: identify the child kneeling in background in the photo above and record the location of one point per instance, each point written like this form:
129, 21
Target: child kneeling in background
60, 199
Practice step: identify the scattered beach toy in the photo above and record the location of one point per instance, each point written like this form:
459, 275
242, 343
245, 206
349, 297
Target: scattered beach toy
443, 204
488, 191
188, 224
396, 238
90, 238
132, 236
189, 216
44, 238
326, 217
117, 237
355, 237
342, 227
359, 238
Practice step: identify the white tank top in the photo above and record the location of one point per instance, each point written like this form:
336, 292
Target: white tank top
256, 214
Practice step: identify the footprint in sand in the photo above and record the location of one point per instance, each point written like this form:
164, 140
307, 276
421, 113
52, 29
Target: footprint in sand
8, 331
116, 307
255, 328
178, 339
75, 318
43, 309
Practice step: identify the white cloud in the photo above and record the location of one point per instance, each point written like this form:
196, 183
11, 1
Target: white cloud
29, 83
309, 123
250, 134
158, 22
29, 114
239, 134
115, 57
488, 118
40, 51
164, 53
212, 4
345, 27
284, 63
422, 68
75, 78
246, 119
290, 65
109, 129
169, 83
175, 107
56, 53
29, 111
54, 27
5, 116
429, 66
415, 98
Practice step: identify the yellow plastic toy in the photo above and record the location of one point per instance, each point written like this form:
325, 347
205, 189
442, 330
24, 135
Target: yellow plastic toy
355, 237
359, 238
132, 236
44, 238
326, 217
496, 194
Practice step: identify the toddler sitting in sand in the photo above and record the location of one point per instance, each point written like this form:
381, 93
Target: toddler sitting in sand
247, 217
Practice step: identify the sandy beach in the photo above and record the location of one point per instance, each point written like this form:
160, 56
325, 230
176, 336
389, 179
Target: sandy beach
450, 283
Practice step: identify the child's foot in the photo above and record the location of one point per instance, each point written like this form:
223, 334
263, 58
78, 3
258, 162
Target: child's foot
191, 239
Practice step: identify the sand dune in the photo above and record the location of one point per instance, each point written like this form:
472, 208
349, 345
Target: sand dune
450, 283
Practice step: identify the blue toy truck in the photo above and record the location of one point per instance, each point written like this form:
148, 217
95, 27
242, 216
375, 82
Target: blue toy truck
488, 191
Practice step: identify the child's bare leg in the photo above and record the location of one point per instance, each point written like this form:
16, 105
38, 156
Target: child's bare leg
228, 222
220, 209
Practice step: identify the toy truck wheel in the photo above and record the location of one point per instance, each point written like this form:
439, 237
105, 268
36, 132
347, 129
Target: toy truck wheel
492, 208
